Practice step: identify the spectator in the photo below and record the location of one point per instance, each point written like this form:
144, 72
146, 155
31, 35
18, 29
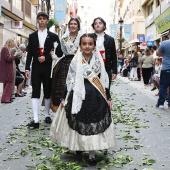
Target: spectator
125, 68
133, 64
7, 71
147, 67
19, 81
139, 66
154, 54
164, 50
156, 76
121, 62
22, 63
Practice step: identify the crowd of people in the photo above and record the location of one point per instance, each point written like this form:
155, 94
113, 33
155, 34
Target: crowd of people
153, 66
76, 73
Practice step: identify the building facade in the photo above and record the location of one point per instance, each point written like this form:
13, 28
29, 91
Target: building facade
18, 19
132, 15
157, 20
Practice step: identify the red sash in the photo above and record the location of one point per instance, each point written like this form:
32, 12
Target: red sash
41, 50
102, 52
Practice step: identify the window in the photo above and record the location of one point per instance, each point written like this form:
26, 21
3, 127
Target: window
17, 4
150, 8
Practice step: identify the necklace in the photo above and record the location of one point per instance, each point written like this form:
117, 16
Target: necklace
74, 38
87, 59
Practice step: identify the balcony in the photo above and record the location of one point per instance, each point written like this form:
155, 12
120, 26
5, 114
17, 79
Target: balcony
6, 5
30, 15
28, 9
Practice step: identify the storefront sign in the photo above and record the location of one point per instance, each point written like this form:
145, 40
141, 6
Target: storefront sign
17, 25
144, 43
163, 21
150, 43
141, 38
150, 33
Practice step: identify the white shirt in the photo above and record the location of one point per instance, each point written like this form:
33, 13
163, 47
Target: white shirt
42, 35
100, 41
154, 55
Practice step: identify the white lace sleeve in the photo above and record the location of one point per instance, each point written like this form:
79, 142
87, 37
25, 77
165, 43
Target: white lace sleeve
63, 47
70, 81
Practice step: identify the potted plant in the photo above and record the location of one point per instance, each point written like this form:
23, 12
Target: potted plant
121, 39
52, 22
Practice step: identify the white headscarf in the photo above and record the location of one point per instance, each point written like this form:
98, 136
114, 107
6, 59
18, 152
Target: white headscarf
80, 33
75, 78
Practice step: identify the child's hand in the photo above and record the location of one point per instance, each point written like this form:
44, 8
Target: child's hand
52, 53
62, 104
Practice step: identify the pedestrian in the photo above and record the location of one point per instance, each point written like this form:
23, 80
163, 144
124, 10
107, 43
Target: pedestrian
106, 46
19, 82
156, 76
22, 62
147, 66
41, 43
164, 50
139, 66
69, 45
7, 70
121, 62
15, 65
133, 64
154, 48
125, 69
83, 122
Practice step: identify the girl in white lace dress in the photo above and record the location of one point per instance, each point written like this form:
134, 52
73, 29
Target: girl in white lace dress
83, 121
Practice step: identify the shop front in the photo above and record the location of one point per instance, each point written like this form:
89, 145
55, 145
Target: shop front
162, 24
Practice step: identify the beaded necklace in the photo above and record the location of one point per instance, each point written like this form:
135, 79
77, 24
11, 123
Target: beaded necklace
87, 59
73, 39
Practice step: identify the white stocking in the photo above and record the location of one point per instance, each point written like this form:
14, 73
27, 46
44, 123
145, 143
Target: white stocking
35, 108
47, 107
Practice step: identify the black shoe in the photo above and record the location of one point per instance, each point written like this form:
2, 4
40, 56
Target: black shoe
154, 88
33, 125
157, 105
48, 120
18, 95
24, 92
7, 102
92, 162
79, 153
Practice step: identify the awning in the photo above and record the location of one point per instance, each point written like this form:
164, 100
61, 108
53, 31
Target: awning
156, 38
165, 33
134, 41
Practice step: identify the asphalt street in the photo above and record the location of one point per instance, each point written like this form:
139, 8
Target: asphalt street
142, 135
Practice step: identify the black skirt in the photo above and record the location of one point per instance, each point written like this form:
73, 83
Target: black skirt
94, 116
60, 72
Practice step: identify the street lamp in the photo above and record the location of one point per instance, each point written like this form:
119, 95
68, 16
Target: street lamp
121, 26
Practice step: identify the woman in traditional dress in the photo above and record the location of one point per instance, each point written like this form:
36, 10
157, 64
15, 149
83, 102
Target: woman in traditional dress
83, 121
69, 46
